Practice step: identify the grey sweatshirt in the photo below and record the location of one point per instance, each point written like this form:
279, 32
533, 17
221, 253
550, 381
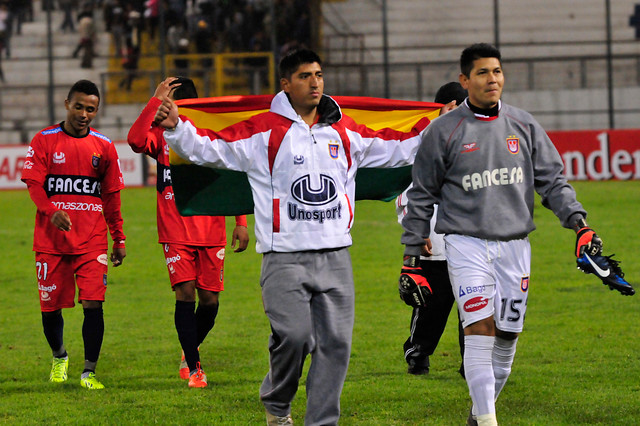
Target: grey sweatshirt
482, 172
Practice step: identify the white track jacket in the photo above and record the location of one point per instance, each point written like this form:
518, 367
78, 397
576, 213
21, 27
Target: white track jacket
302, 178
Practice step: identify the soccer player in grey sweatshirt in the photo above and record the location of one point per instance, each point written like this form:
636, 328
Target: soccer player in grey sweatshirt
481, 163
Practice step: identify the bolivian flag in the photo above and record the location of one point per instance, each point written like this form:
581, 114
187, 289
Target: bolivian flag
205, 191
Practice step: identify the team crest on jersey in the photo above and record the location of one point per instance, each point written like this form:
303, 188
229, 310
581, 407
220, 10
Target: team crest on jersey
58, 158
333, 150
513, 144
30, 152
95, 160
524, 284
298, 159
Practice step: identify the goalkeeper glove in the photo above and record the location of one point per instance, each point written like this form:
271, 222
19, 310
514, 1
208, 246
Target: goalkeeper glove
413, 287
587, 241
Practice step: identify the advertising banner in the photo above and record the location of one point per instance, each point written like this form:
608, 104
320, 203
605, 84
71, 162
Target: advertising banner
587, 155
599, 154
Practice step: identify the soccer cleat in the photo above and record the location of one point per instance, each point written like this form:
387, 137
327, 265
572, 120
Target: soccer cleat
198, 379
59, 369
90, 381
418, 367
471, 420
608, 270
273, 420
417, 359
184, 368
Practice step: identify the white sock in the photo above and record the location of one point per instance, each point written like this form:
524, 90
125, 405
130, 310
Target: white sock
478, 370
503, 353
487, 420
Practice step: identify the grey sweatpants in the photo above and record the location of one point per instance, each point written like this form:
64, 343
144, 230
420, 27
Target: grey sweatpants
309, 300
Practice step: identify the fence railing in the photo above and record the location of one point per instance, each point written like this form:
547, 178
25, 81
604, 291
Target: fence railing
345, 74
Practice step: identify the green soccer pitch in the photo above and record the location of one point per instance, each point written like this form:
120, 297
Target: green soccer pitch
578, 359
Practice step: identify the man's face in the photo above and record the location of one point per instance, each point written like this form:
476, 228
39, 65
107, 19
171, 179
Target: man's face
81, 110
304, 87
484, 83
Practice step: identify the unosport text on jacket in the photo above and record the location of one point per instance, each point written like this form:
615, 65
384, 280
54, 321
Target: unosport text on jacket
302, 178
483, 172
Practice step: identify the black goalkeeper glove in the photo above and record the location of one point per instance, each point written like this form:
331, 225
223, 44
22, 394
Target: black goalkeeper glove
414, 288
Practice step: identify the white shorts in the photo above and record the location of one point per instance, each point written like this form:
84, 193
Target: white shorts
490, 278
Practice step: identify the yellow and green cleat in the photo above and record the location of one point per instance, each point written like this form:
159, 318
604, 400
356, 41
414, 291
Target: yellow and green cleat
90, 382
59, 368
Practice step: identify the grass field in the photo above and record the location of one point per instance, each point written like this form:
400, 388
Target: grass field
578, 361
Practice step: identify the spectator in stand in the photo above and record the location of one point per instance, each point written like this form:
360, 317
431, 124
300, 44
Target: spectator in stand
107, 13
132, 50
178, 43
117, 26
4, 19
258, 66
204, 39
254, 21
87, 32
302, 28
177, 8
151, 8
67, 7
18, 10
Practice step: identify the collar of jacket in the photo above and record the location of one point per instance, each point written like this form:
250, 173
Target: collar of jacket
328, 108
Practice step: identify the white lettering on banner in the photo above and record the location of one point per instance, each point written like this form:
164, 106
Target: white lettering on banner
128, 165
11, 168
602, 164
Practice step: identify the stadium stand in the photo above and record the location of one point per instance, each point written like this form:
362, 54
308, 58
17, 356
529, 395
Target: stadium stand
555, 56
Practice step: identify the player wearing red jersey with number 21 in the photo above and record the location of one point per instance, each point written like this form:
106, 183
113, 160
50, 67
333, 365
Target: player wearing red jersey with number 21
74, 178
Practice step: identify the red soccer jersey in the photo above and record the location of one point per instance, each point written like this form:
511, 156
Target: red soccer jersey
74, 173
174, 228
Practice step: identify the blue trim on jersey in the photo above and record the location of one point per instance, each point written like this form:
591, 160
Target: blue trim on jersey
51, 131
99, 135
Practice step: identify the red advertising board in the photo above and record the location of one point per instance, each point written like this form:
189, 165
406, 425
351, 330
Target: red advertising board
587, 155
599, 154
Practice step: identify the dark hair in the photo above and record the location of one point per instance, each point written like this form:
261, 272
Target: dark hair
449, 92
476, 51
186, 90
84, 86
292, 61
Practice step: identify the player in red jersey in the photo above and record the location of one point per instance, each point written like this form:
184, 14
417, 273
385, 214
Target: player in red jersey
193, 245
73, 176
